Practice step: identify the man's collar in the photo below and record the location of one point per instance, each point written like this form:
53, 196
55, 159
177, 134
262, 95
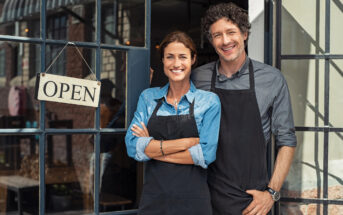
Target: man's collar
243, 70
163, 91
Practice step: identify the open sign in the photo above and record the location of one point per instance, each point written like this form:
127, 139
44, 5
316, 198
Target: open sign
68, 90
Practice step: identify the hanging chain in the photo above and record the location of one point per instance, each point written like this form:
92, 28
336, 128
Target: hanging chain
78, 50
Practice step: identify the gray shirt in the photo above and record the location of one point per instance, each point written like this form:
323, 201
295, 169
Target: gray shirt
271, 92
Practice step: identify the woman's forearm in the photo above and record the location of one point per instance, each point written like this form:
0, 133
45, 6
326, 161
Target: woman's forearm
154, 149
183, 157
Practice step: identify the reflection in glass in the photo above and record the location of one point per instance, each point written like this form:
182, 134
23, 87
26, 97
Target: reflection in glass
303, 27
119, 179
68, 175
20, 18
336, 33
305, 79
19, 63
305, 178
71, 20
19, 174
123, 22
335, 176
336, 93
113, 89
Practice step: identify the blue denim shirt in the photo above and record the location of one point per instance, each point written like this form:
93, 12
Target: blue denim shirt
206, 113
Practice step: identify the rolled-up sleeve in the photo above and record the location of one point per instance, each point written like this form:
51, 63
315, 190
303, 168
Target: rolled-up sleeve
136, 145
208, 134
197, 156
282, 118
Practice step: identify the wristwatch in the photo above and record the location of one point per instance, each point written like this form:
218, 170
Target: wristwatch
275, 194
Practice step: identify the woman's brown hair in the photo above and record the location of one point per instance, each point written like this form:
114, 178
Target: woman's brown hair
181, 37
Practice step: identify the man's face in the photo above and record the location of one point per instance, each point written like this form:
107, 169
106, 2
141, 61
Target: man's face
228, 40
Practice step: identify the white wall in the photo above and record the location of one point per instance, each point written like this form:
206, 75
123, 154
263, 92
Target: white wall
256, 38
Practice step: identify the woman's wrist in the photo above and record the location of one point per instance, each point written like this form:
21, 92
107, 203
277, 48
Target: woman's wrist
161, 147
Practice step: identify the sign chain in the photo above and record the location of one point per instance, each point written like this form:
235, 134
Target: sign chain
78, 50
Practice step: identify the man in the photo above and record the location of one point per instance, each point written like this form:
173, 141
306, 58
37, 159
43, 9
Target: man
255, 102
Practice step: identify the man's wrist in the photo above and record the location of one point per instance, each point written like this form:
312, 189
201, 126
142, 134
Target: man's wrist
275, 194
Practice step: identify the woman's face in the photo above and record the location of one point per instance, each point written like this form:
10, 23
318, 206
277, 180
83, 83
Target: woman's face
177, 62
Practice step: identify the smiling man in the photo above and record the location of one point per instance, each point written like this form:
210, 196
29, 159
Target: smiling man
255, 103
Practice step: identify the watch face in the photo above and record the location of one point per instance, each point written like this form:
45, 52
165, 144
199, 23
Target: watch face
276, 196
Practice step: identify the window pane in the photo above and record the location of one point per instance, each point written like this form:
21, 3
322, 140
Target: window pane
336, 94
305, 79
71, 20
19, 172
19, 63
20, 18
123, 22
305, 178
70, 64
120, 176
336, 33
56, 27
301, 208
113, 89
69, 174
303, 27
335, 177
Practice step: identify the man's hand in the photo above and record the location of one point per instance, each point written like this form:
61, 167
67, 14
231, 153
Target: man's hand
261, 204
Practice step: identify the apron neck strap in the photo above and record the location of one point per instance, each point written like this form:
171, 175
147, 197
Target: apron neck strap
159, 103
213, 79
251, 76
191, 108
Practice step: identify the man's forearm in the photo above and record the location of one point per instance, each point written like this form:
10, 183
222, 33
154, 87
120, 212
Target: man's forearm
183, 157
154, 150
282, 165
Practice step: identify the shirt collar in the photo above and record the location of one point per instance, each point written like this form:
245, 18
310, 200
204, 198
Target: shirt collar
243, 70
162, 93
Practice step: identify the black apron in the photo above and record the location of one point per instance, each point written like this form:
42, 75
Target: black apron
241, 156
174, 189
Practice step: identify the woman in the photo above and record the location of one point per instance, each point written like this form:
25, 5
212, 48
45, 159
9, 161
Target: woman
180, 139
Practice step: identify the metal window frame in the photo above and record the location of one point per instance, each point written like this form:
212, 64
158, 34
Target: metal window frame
327, 128
136, 56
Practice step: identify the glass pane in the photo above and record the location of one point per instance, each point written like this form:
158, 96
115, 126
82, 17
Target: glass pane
305, 79
113, 89
301, 208
336, 33
19, 174
123, 22
71, 20
120, 176
68, 174
70, 64
19, 63
20, 18
336, 94
303, 27
305, 178
335, 177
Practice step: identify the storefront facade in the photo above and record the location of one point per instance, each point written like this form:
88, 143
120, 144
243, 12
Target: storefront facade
59, 158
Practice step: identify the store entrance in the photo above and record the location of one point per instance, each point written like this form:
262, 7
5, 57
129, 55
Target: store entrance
167, 16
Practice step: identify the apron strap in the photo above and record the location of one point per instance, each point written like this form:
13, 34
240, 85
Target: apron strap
213, 78
251, 77
191, 108
159, 103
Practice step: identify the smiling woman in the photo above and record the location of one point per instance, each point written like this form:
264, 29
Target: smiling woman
175, 129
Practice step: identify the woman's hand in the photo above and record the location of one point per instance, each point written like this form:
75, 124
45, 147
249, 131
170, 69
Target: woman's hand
140, 132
